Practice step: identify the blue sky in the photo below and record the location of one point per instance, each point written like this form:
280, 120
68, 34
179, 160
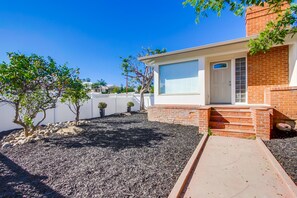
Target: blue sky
92, 35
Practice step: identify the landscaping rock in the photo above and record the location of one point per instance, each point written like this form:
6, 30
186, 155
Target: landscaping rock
283, 127
70, 130
115, 156
284, 148
6, 145
61, 128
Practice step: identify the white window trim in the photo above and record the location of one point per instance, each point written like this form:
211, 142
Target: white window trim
246, 83
173, 62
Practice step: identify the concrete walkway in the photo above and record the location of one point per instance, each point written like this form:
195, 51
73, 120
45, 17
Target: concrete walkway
233, 167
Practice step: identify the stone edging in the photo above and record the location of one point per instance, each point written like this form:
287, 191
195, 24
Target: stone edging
279, 169
188, 170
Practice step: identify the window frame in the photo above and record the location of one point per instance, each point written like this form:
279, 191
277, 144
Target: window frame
246, 80
177, 62
227, 65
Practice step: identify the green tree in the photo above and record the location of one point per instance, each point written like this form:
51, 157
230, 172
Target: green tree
275, 32
32, 85
99, 84
139, 72
75, 94
86, 80
115, 89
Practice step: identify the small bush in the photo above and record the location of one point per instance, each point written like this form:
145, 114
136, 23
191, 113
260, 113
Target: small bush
102, 105
130, 104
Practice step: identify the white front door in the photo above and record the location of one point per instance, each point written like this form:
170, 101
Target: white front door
220, 82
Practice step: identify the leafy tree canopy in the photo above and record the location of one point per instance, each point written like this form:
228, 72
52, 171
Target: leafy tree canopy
75, 94
32, 85
138, 72
275, 31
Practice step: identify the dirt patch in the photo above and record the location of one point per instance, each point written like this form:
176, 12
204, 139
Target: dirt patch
117, 156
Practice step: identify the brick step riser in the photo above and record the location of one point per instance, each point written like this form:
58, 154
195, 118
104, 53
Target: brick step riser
230, 113
234, 134
231, 109
231, 119
217, 125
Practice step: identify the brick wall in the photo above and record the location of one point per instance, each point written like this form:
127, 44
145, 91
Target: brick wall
284, 102
262, 120
267, 70
174, 114
257, 17
204, 118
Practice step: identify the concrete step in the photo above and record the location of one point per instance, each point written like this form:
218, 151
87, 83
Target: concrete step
229, 119
232, 126
234, 133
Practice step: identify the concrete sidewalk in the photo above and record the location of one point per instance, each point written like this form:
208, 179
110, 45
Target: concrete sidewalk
233, 167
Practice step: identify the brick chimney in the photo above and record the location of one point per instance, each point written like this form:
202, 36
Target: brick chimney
257, 17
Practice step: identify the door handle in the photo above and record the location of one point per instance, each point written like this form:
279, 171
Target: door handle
230, 83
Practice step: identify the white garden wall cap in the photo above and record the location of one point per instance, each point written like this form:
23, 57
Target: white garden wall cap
212, 45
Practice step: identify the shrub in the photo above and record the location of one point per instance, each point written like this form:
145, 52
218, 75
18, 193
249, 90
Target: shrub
102, 105
130, 104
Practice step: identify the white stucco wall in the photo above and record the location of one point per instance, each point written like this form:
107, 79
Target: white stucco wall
293, 64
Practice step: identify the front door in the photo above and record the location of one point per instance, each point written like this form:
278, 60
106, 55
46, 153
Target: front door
220, 82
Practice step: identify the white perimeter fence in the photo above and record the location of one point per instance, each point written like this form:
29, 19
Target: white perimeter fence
116, 103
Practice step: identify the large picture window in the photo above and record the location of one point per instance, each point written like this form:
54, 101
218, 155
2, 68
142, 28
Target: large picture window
179, 78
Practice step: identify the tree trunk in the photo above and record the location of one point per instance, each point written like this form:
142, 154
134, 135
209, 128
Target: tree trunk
26, 131
142, 100
77, 114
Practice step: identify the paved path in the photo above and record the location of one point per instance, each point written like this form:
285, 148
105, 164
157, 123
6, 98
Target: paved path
233, 167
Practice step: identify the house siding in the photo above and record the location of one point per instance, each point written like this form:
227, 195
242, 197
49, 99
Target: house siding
267, 70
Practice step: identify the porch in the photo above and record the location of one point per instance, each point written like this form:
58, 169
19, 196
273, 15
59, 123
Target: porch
243, 121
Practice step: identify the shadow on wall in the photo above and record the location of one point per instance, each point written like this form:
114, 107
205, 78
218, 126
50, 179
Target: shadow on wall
279, 117
115, 138
12, 176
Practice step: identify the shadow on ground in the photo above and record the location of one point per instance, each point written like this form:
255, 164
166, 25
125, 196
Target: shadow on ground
278, 134
12, 176
114, 139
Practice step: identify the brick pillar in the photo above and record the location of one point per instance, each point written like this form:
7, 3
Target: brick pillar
262, 119
204, 116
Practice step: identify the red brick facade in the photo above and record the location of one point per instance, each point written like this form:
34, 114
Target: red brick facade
267, 70
284, 102
257, 17
262, 120
204, 118
174, 114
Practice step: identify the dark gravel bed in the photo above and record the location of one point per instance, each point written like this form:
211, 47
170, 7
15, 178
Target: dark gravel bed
284, 149
117, 156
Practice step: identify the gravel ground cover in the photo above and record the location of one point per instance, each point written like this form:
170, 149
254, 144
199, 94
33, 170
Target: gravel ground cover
284, 149
117, 156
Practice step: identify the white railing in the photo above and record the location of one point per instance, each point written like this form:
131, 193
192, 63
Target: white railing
116, 103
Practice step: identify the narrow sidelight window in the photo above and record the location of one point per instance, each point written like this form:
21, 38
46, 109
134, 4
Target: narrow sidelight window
240, 80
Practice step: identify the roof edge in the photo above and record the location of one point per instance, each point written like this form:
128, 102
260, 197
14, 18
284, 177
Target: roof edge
211, 45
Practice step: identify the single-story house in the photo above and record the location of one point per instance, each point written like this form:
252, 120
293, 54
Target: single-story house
223, 89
